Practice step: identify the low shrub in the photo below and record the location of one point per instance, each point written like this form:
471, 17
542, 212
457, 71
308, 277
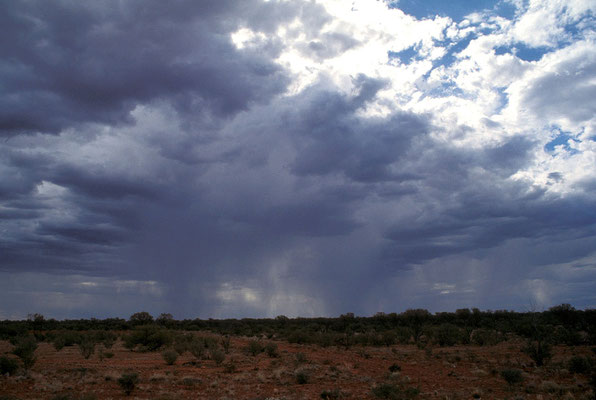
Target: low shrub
225, 343
512, 376
271, 350
394, 392
302, 377
331, 394
87, 347
579, 365
65, 338
128, 382
197, 348
394, 367
217, 355
447, 335
8, 365
148, 338
254, 348
300, 358
485, 337
539, 351
230, 367
25, 347
170, 356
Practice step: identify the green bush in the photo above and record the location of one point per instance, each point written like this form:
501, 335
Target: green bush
66, 338
539, 351
394, 392
25, 347
254, 348
8, 365
512, 376
170, 356
148, 338
182, 342
87, 347
271, 350
217, 355
106, 338
485, 337
447, 335
128, 381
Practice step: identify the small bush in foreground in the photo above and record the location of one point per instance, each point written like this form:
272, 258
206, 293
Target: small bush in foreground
87, 347
25, 349
217, 355
128, 381
331, 394
254, 348
271, 350
394, 368
302, 377
394, 392
8, 365
170, 356
512, 376
539, 351
579, 365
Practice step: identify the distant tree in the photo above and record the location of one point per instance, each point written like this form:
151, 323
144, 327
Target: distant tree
141, 318
416, 320
36, 320
165, 319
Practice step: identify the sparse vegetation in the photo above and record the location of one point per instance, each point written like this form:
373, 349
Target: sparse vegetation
301, 365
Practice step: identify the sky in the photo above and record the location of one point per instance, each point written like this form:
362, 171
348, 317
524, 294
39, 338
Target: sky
252, 158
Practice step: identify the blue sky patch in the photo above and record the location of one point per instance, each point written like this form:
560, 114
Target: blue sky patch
523, 51
455, 9
405, 56
563, 139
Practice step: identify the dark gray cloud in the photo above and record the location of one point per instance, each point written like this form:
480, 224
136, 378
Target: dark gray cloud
65, 64
148, 161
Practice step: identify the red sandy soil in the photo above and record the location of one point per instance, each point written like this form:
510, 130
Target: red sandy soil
459, 372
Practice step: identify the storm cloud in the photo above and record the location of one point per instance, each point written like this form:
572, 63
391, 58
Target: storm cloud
257, 158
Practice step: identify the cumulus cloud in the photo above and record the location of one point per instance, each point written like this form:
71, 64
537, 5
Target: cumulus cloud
259, 158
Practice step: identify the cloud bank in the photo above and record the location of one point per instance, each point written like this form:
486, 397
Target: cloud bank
258, 158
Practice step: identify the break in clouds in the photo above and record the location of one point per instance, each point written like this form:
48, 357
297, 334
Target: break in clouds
258, 158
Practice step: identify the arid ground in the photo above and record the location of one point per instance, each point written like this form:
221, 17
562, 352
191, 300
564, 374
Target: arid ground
302, 372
